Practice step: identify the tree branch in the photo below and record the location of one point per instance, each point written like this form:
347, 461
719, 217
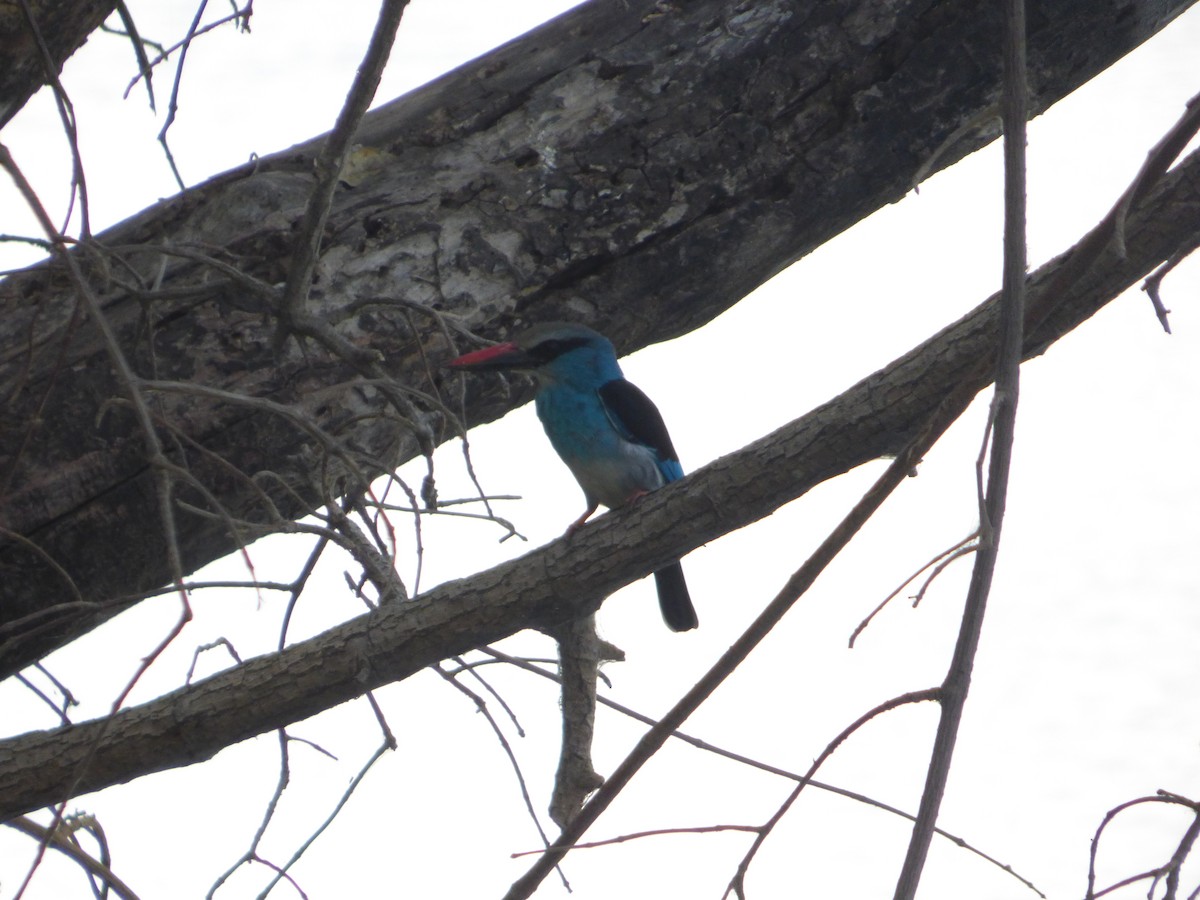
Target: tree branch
567, 579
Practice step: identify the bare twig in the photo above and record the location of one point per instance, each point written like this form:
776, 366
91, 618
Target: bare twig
173, 105
378, 567
466, 668
50, 561
651, 832
1158, 160
297, 587
304, 423
441, 510
1153, 283
737, 883
1169, 870
1002, 422
192, 586
139, 49
211, 645
389, 743
332, 160
251, 855
1095, 242
66, 112
938, 565
164, 53
54, 837
1110, 230
154, 450
482, 707
60, 711
281, 784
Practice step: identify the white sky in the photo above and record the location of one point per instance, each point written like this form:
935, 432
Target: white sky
1087, 689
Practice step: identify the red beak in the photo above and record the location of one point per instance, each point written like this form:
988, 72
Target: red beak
500, 356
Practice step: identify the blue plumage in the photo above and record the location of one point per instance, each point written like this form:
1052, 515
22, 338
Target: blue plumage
609, 433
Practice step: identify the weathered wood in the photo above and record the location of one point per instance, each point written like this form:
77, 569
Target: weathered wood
637, 165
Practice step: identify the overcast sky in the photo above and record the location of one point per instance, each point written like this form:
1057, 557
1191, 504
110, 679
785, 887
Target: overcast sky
1087, 689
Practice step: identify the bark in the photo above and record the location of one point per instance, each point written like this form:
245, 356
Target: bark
28, 57
566, 579
636, 165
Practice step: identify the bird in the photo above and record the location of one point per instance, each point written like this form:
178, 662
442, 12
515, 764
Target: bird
607, 431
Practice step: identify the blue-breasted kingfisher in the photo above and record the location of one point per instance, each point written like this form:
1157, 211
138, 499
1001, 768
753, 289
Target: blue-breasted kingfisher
610, 434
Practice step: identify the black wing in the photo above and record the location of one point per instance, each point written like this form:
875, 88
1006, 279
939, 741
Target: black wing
636, 417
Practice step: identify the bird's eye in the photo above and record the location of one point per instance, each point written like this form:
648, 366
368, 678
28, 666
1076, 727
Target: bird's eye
554, 348
544, 352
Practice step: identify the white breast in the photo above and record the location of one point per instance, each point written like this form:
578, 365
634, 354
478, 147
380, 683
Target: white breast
614, 480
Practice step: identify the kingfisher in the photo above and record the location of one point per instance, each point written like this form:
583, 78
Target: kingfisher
608, 432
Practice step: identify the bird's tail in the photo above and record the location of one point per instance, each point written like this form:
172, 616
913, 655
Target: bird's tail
674, 599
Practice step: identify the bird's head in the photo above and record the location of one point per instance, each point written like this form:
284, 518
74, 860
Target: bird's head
552, 350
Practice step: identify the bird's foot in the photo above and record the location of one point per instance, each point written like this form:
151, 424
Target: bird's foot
579, 523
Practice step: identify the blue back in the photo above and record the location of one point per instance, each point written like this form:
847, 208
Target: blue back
605, 429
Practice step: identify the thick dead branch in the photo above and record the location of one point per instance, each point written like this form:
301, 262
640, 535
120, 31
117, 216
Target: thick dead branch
677, 154
568, 579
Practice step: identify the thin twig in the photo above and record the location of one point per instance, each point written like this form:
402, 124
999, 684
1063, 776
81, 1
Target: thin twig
173, 105
296, 588
59, 711
1090, 248
164, 53
1002, 421
737, 884
52, 837
482, 707
139, 50
652, 832
1153, 283
211, 645
281, 784
389, 743
1158, 160
938, 563
1170, 870
332, 160
66, 112
473, 671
